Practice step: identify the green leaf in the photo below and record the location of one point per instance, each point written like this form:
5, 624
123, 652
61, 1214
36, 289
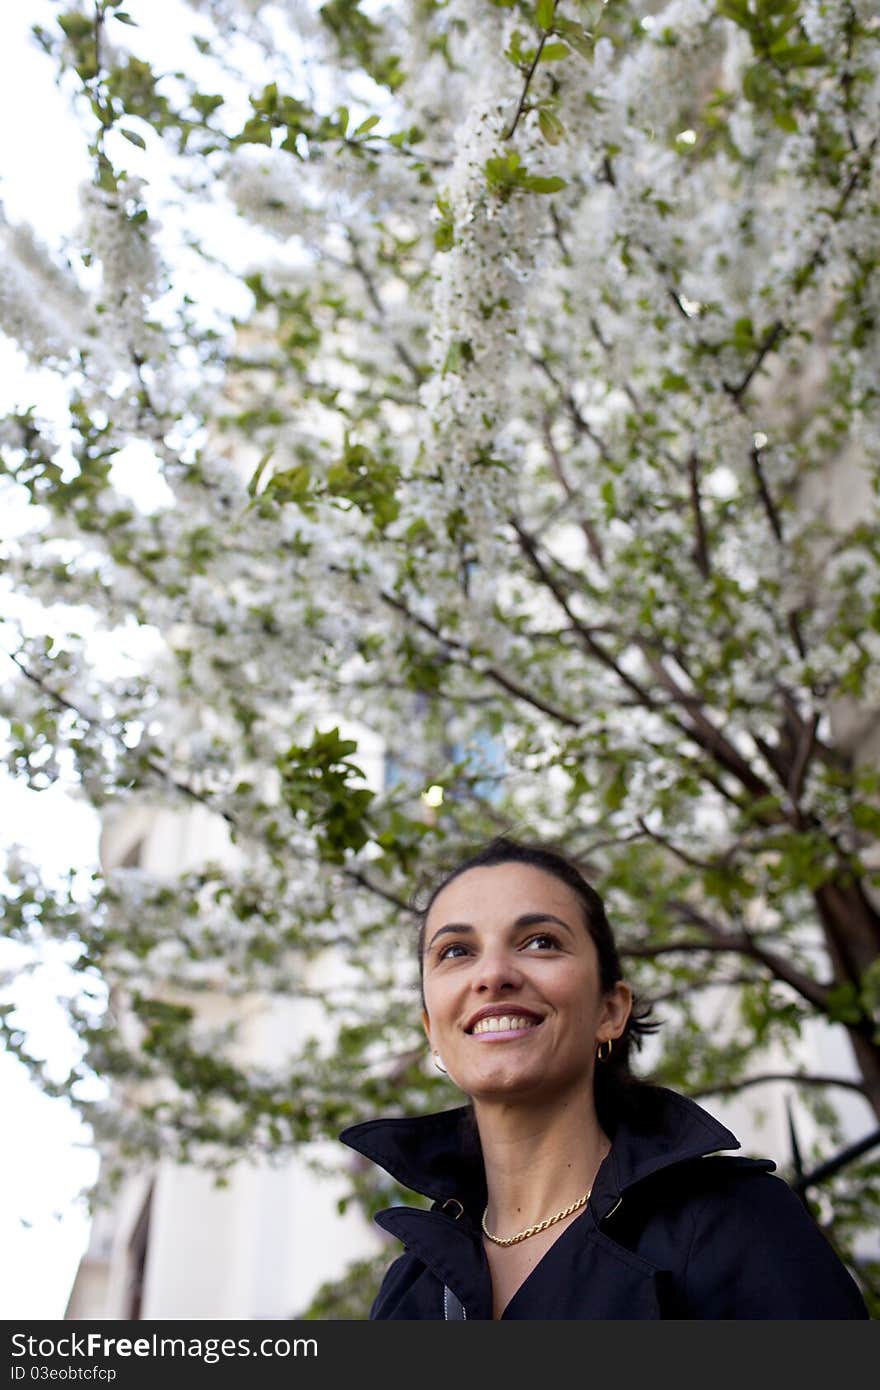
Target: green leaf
444, 235
544, 13
458, 355
786, 120
578, 38
866, 818
552, 52
133, 137
291, 484
503, 170
674, 381
844, 1005
550, 127
537, 184
258, 473
614, 791
366, 125
799, 55
107, 178
738, 11
77, 25
206, 103
743, 335
760, 85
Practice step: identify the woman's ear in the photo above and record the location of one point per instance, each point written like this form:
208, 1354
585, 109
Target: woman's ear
617, 1007
426, 1024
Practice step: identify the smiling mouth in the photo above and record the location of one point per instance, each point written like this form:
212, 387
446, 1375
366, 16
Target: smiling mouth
504, 1023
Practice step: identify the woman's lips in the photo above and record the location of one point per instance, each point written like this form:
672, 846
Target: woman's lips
499, 1027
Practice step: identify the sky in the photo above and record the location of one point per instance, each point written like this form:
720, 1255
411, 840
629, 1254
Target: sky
46, 1160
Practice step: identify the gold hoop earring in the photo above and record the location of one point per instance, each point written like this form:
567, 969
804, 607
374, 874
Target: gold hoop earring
438, 1064
603, 1056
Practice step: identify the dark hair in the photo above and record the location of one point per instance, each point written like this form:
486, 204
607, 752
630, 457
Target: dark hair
615, 1087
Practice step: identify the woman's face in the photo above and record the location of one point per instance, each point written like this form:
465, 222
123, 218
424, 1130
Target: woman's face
513, 1001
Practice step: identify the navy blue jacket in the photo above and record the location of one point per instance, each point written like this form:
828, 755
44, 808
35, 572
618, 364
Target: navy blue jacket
672, 1229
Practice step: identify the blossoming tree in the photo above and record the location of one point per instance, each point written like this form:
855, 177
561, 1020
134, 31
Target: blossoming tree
544, 445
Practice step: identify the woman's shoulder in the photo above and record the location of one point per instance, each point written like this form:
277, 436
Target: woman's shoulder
733, 1190
749, 1247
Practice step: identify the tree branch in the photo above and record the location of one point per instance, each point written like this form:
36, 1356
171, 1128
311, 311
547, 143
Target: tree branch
687, 944
778, 329
704, 731
725, 1088
701, 729
530, 550
373, 295
359, 877
62, 703
745, 944
701, 546
594, 545
767, 502
687, 991
702, 865
458, 653
528, 82
581, 424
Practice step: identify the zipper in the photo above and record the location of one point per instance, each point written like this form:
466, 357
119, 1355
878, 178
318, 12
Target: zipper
453, 1308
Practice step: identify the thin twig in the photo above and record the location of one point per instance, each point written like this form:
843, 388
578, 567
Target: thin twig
522, 100
705, 866
377, 304
591, 535
458, 653
701, 544
359, 877
767, 502
153, 766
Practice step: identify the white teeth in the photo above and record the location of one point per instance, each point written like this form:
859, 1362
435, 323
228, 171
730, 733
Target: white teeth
503, 1023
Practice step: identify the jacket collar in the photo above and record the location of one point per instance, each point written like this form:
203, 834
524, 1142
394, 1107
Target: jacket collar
438, 1155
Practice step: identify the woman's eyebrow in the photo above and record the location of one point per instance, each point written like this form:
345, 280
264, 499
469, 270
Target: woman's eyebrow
464, 927
526, 919
533, 919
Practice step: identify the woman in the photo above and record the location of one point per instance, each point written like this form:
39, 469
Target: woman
568, 1189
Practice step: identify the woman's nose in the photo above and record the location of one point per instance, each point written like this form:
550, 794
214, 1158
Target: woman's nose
497, 970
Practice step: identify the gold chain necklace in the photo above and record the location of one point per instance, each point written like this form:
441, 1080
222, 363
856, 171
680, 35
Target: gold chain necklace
541, 1226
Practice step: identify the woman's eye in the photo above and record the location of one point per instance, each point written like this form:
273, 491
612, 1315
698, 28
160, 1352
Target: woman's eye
542, 942
451, 951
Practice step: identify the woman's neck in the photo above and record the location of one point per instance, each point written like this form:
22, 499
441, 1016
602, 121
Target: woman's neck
538, 1159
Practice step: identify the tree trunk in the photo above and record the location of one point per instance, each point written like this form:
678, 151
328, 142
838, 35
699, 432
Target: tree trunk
852, 933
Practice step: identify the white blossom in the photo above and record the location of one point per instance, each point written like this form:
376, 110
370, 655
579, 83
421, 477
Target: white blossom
118, 234
42, 308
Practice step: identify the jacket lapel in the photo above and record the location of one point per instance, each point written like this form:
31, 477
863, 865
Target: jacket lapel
452, 1250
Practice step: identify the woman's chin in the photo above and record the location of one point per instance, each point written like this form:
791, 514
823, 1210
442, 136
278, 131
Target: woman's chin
505, 1083
527, 1086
